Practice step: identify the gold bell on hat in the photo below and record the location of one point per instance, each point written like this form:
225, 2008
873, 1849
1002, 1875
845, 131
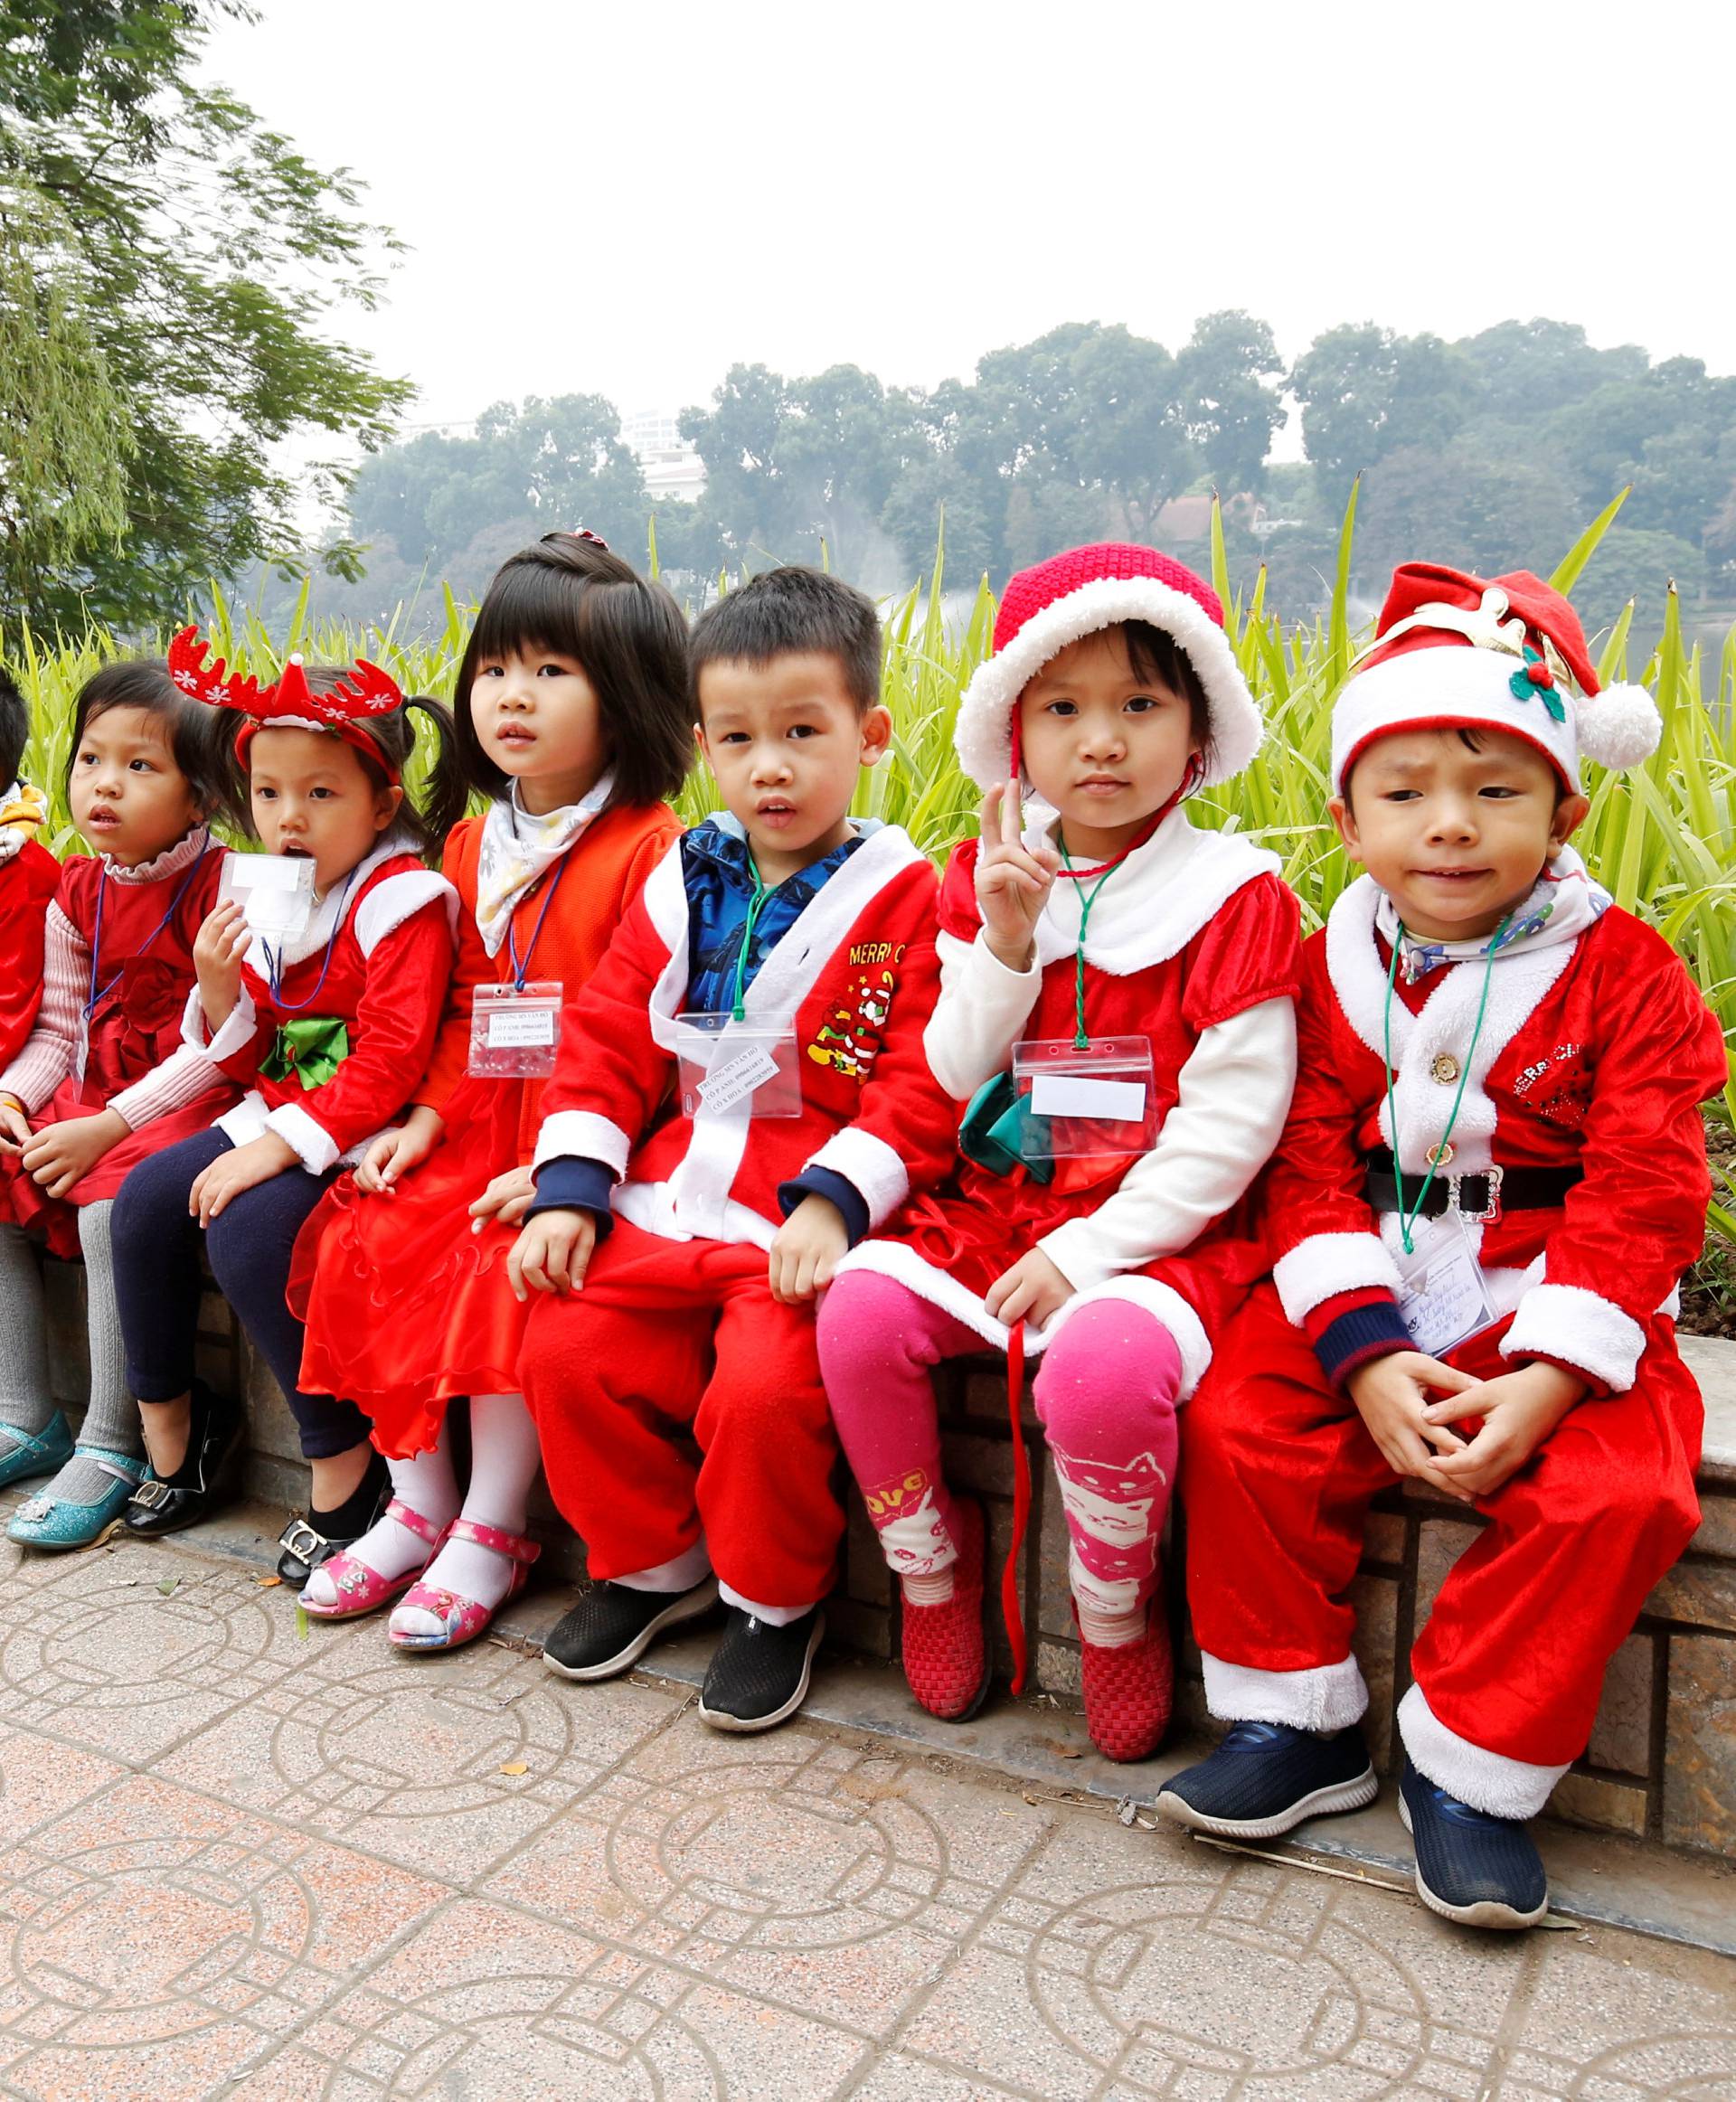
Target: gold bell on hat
1446, 1069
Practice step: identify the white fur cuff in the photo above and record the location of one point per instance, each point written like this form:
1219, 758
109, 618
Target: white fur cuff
1488, 1781
315, 1146
1326, 1264
578, 1134
1323, 1697
1580, 1328
870, 1166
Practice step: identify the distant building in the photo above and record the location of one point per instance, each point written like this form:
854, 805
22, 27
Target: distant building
671, 468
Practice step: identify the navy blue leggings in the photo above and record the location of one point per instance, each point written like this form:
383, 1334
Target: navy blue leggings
249, 1242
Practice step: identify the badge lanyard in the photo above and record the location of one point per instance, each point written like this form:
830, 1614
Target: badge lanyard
522, 966
97, 998
1407, 1219
738, 1010
274, 966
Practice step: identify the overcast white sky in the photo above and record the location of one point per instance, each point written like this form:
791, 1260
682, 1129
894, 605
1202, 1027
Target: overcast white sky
629, 198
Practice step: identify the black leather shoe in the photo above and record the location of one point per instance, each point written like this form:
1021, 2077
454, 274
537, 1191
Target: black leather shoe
305, 1545
204, 1482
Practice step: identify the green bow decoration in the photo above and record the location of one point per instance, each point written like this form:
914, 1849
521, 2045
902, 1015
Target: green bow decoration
312, 1048
992, 1128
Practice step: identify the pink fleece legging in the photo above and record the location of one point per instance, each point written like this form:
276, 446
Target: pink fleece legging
1106, 1394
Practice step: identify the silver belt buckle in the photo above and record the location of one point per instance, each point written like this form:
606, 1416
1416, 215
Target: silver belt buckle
1491, 1211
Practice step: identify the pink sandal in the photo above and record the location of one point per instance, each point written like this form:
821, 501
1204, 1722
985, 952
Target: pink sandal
361, 1590
463, 1619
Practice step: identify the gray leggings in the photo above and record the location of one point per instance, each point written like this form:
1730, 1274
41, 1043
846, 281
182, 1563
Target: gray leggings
26, 1398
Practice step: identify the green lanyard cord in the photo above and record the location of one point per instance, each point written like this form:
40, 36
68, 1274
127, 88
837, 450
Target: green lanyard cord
1407, 1219
737, 1011
1079, 1038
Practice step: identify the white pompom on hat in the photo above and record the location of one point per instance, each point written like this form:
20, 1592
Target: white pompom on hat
1457, 651
1076, 594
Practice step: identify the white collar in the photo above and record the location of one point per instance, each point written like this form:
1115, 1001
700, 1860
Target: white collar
171, 861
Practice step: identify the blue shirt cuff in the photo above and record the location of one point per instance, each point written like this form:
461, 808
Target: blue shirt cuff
839, 1190
569, 1183
1358, 1337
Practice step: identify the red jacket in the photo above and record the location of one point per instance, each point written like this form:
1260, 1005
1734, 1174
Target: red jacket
1594, 1054
376, 957
858, 968
27, 881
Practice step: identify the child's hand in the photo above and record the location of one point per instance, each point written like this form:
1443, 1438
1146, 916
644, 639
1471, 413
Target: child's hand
1393, 1396
806, 1250
60, 1154
395, 1152
1030, 1291
1519, 1410
507, 1199
552, 1254
1012, 885
243, 1167
217, 954
15, 1124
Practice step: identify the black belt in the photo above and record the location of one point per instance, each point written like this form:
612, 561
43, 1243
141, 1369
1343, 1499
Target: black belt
1484, 1196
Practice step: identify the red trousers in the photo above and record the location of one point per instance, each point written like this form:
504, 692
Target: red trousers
669, 1344
1277, 1471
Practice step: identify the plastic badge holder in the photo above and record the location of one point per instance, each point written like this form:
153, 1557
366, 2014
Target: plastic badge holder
1443, 1299
275, 891
1077, 1101
515, 1030
747, 1068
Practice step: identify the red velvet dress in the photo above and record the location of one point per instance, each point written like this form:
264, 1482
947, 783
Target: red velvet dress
27, 881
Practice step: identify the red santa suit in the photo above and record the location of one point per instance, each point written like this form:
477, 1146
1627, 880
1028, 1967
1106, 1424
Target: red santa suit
1576, 1176
29, 878
116, 969
675, 1329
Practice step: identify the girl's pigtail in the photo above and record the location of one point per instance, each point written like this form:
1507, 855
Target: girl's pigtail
448, 791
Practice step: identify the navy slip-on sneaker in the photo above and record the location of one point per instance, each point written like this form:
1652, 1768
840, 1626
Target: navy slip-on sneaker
1478, 1870
1266, 1777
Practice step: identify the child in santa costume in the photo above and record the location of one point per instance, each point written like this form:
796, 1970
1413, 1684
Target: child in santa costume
29, 876
776, 973
1491, 1181
573, 718
102, 1081
1117, 1002
328, 1028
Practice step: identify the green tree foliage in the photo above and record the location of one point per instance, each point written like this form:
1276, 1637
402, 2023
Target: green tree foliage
188, 261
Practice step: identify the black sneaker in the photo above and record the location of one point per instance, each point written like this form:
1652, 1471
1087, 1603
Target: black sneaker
1478, 1870
758, 1674
1266, 1777
613, 1625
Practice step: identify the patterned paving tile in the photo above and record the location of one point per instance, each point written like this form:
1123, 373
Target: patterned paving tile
801, 1870
487, 2003
1624, 2028
131, 1652
38, 1782
404, 1756
149, 1948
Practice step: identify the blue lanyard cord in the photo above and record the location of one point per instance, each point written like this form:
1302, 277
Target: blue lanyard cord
274, 963
97, 998
521, 967
738, 1010
1407, 1219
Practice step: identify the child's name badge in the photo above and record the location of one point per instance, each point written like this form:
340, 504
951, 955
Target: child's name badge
1079, 1100
1443, 1300
515, 1030
274, 892
748, 1066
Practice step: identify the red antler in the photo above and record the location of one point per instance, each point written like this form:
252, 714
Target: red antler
188, 669
363, 692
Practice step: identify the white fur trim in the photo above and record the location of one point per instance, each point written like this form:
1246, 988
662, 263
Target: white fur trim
1323, 1697
1581, 1328
315, 1146
324, 922
237, 1032
895, 1259
1163, 1304
1325, 1264
870, 1166
664, 897
580, 1135
388, 904
656, 1208
1619, 726
1450, 684
1488, 1781
983, 736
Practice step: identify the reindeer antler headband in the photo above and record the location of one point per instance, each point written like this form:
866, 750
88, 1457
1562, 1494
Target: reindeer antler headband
362, 692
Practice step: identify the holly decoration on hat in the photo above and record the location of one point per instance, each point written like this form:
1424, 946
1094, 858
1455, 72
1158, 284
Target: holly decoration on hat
1537, 680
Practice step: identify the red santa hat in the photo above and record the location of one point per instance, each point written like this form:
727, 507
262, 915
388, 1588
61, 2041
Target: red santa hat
1452, 651
1076, 594
362, 692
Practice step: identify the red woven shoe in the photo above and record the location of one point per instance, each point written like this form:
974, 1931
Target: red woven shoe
1128, 1691
945, 1659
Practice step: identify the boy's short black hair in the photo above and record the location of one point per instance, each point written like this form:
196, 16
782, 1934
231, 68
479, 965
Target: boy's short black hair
202, 738
15, 729
789, 612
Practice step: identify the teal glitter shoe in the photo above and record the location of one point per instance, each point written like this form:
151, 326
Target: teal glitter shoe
23, 1454
58, 1524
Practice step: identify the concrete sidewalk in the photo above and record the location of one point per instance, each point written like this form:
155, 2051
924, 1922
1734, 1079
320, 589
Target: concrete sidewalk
241, 1863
